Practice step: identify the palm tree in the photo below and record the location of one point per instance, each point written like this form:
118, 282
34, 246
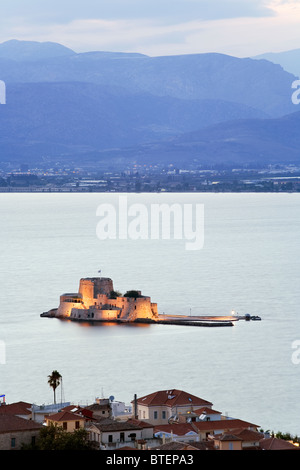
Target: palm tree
54, 381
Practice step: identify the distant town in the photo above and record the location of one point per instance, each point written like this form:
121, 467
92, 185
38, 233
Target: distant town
152, 178
166, 420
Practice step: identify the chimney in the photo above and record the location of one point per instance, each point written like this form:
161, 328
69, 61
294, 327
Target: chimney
135, 407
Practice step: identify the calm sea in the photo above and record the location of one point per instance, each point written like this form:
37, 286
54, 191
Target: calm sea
249, 262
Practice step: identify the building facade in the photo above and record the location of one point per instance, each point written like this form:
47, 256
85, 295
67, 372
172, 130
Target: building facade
165, 406
15, 432
67, 420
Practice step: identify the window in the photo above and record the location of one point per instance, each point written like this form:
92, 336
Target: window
110, 438
65, 425
155, 414
163, 415
77, 425
13, 442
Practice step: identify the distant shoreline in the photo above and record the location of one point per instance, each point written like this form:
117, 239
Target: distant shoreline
94, 191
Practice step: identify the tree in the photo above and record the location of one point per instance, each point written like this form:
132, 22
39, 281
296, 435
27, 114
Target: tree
54, 381
114, 294
132, 293
53, 437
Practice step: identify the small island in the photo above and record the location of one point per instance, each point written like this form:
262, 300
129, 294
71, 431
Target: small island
97, 301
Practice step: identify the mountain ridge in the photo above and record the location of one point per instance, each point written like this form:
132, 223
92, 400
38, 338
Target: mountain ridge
100, 103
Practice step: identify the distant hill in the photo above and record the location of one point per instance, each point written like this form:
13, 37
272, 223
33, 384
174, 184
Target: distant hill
253, 83
80, 116
289, 60
32, 50
255, 141
63, 105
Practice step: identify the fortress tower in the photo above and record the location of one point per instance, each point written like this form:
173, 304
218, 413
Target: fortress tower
89, 288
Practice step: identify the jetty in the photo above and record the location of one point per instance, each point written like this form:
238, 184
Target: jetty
199, 320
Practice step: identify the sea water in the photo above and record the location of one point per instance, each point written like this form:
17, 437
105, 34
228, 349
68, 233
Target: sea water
249, 262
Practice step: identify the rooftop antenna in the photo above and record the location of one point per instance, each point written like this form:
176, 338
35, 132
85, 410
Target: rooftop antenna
62, 395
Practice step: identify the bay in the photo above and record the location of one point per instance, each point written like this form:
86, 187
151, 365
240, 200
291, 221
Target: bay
249, 262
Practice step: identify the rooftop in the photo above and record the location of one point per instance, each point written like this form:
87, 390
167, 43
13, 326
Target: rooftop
18, 408
206, 410
64, 416
221, 425
273, 443
11, 423
172, 398
177, 429
225, 424
108, 424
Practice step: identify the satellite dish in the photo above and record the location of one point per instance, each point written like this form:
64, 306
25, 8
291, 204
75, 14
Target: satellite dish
111, 398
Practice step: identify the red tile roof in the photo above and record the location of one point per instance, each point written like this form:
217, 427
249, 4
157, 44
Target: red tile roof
180, 446
248, 434
141, 424
11, 423
78, 410
125, 448
206, 410
228, 437
18, 408
223, 424
276, 444
172, 398
178, 429
64, 416
111, 425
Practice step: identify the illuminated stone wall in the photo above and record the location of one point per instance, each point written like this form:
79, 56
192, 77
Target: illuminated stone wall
67, 303
93, 302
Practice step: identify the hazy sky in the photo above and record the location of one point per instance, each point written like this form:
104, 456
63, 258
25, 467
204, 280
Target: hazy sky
156, 27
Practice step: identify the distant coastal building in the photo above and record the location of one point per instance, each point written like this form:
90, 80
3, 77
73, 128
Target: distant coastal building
96, 300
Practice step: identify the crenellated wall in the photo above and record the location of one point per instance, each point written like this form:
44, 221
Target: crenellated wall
93, 302
67, 303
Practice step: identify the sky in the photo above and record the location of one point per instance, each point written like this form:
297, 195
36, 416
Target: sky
241, 28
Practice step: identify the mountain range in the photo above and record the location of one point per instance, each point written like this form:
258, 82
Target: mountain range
97, 107
289, 60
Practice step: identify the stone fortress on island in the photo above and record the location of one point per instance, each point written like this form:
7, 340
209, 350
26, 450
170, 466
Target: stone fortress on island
97, 301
